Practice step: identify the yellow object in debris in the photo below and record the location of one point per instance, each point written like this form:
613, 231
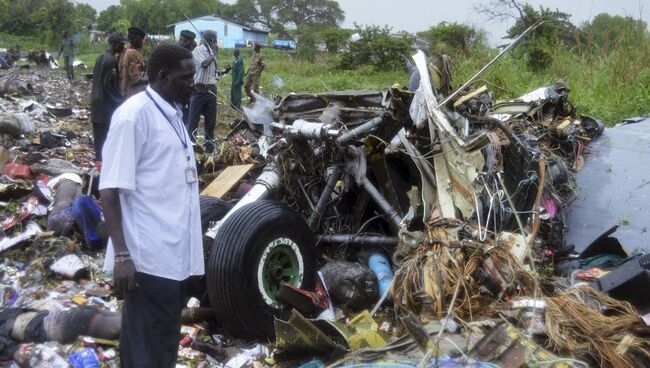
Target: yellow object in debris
79, 300
565, 123
361, 332
105, 342
470, 95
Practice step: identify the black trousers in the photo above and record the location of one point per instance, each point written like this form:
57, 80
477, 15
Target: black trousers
203, 103
69, 69
100, 132
151, 322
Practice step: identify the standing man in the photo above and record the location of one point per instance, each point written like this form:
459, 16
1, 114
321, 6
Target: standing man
186, 40
131, 64
105, 96
204, 99
67, 49
237, 80
254, 73
151, 202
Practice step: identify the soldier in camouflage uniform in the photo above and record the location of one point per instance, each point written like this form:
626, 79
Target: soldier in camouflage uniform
255, 69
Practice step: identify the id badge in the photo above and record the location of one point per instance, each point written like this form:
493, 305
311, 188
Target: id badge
190, 176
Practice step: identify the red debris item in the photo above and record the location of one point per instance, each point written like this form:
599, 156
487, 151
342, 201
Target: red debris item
17, 171
186, 341
590, 274
304, 301
29, 207
44, 178
322, 295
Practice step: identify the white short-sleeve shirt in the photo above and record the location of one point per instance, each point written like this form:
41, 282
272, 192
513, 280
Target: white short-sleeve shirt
145, 160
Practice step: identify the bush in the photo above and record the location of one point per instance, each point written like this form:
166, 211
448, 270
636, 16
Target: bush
453, 38
376, 48
307, 45
335, 38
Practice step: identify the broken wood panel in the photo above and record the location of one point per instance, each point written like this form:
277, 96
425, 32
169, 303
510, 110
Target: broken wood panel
230, 176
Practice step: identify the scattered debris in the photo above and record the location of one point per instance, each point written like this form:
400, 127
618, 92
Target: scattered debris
411, 228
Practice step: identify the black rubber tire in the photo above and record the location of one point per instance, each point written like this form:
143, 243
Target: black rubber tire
212, 209
232, 268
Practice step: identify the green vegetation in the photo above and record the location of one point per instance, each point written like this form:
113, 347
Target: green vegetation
376, 48
45, 19
453, 38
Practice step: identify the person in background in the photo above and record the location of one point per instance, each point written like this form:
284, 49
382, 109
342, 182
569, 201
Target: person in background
150, 194
67, 49
105, 96
204, 99
187, 41
131, 64
3, 63
13, 54
255, 69
237, 80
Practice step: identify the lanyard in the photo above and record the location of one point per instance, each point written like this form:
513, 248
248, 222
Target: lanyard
181, 137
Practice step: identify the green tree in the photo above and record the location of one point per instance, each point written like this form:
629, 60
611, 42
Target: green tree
542, 43
376, 48
451, 38
15, 17
605, 32
307, 38
539, 46
53, 18
121, 25
280, 16
108, 18
335, 38
86, 14
155, 16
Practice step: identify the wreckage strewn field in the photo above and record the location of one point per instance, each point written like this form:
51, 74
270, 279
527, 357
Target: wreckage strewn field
352, 228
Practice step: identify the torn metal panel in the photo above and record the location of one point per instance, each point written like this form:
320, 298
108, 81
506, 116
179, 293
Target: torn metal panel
612, 189
354, 106
300, 337
463, 159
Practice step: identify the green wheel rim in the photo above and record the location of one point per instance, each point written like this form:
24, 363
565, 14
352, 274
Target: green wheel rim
280, 264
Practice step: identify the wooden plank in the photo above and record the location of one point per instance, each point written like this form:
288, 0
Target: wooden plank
230, 176
5, 157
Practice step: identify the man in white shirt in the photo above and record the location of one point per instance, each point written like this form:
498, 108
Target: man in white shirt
204, 98
150, 197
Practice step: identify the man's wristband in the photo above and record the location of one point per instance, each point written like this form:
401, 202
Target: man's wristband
120, 259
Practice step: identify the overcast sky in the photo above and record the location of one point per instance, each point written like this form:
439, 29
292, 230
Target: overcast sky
418, 15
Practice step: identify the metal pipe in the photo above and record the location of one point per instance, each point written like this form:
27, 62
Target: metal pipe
359, 239
381, 202
361, 130
264, 185
325, 196
473, 78
304, 192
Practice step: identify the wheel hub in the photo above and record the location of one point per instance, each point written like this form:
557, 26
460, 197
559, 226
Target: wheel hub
280, 263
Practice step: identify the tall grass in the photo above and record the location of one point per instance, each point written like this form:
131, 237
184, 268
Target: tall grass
608, 84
